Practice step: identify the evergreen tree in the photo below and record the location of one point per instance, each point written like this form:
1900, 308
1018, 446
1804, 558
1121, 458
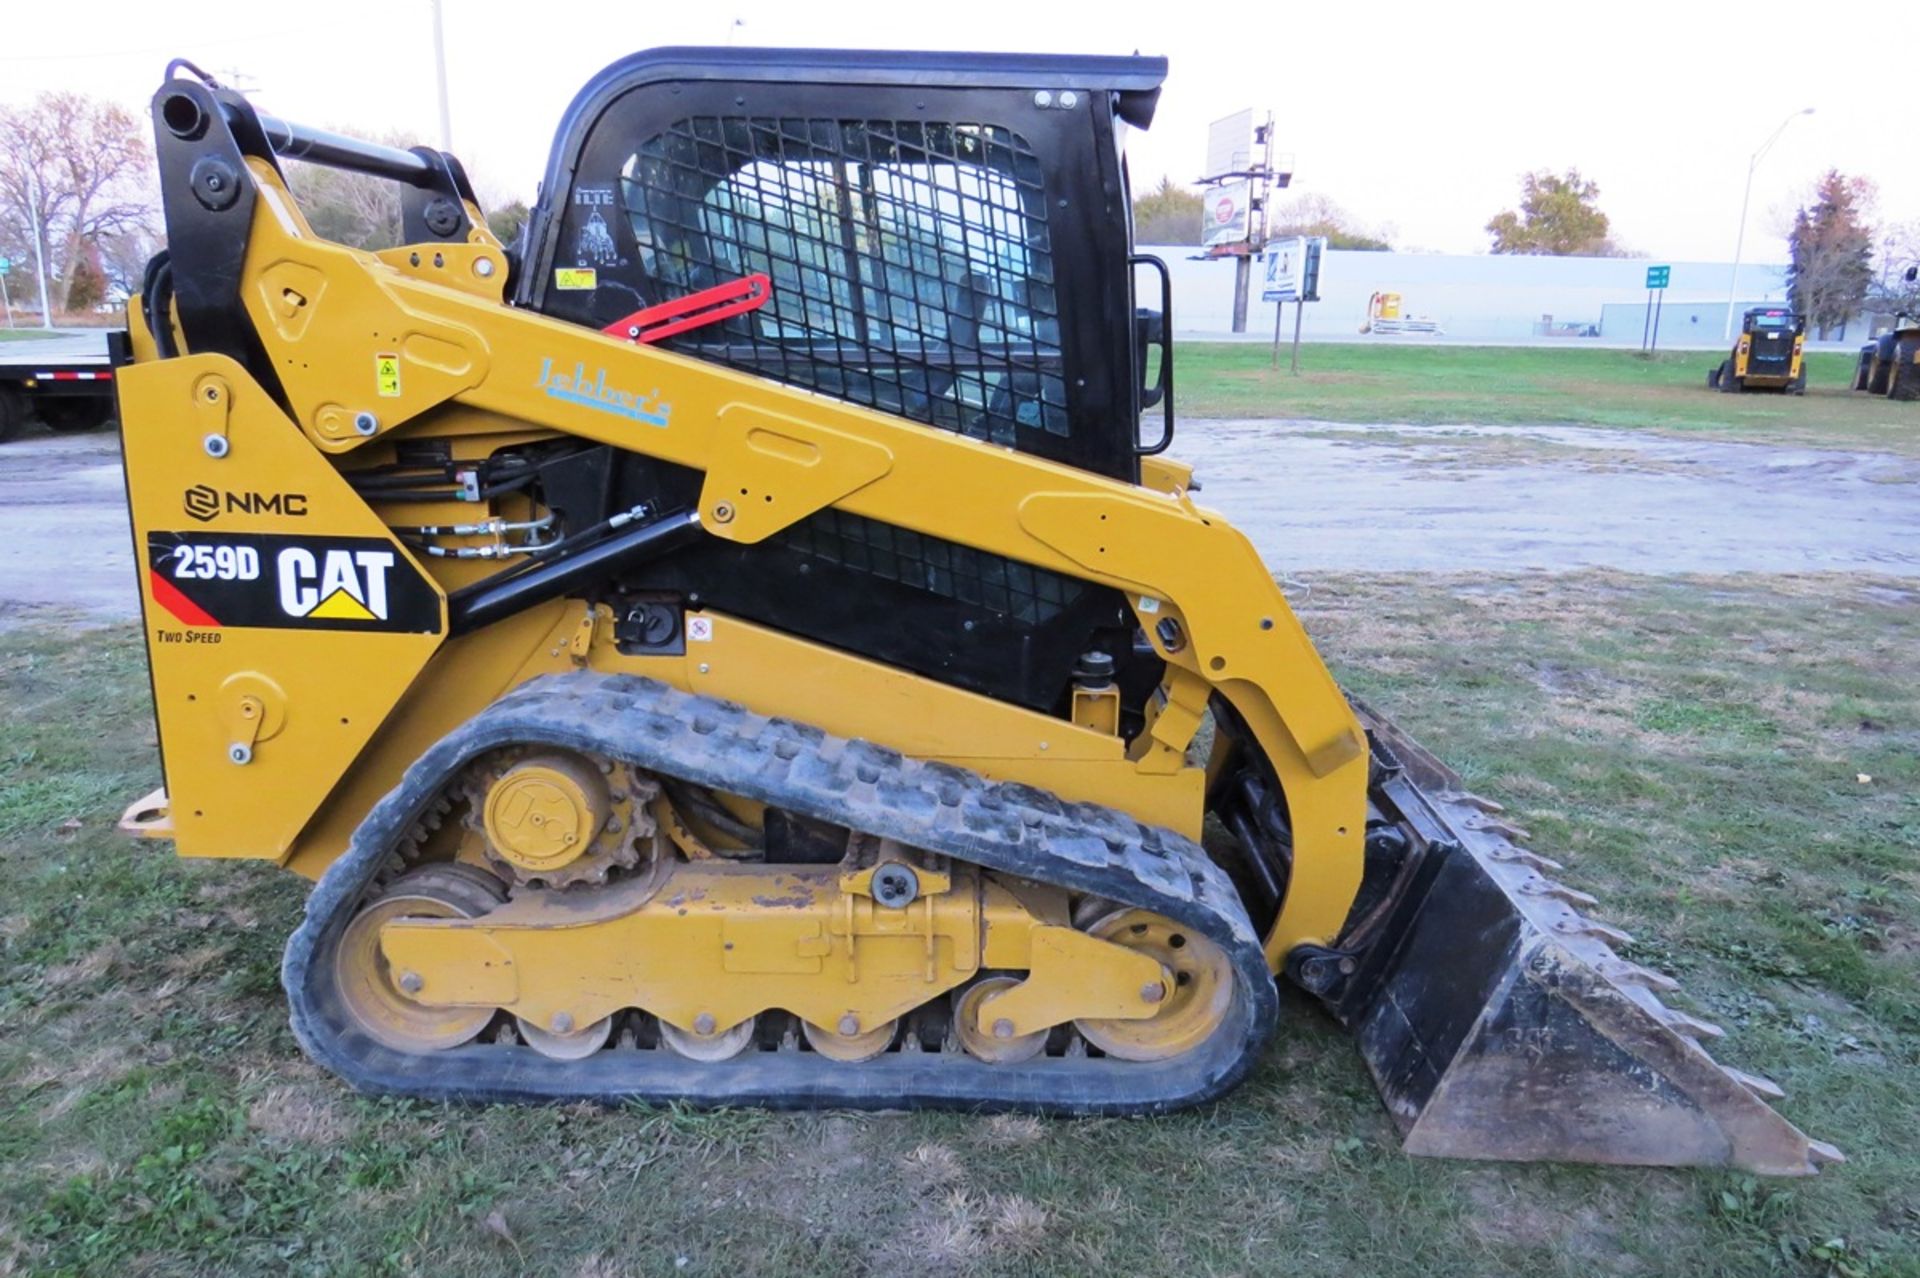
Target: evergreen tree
1832, 251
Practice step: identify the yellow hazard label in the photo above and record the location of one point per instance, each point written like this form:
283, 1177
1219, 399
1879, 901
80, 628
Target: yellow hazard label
575, 277
386, 375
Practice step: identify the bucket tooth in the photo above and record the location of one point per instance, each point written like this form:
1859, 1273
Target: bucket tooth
1622, 972
1763, 1087
1505, 829
1499, 1023
1558, 891
1577, 924
1512, 855
1823, 1152
1690, 1026
1481, 802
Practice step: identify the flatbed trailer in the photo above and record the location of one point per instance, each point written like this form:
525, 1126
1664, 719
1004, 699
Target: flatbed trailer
64, 381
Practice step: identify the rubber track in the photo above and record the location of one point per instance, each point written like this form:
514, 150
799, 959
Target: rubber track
1012, 829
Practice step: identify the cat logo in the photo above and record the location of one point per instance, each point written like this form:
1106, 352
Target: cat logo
334, 585
208, 580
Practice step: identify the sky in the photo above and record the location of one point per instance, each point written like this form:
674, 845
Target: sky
1416, 116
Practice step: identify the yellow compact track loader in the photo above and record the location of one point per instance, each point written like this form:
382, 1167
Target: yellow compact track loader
735, 647
1770, 355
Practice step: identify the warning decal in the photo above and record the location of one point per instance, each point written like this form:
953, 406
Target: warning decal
209, 580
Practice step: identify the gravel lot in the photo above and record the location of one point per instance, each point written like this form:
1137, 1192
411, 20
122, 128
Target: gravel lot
1312, 496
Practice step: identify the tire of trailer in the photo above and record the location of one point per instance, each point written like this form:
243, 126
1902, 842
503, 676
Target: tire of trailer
13, 414
71, 416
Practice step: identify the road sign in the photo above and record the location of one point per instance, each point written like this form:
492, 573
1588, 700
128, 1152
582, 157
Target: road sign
1290, 269
1657, 276
6, 264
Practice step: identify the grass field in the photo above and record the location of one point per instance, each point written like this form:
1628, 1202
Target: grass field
1733, 766
1536, 385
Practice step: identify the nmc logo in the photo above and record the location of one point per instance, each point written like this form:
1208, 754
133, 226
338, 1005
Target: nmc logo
204, 503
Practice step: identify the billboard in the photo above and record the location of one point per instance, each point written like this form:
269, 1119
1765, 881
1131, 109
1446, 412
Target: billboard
1290, 269
1230, 144
1227, 213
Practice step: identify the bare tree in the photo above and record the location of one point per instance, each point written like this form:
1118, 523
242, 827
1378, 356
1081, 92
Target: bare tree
1311, 213
79, 167
1893, 291
356, 209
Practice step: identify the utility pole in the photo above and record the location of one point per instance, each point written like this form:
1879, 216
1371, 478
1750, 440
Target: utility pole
440, 71
39, 255
1256, 226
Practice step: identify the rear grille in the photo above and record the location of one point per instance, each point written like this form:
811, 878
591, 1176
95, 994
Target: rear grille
1770, 357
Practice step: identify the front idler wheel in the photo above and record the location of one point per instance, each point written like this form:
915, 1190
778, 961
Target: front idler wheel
380, 1000
1191, 1008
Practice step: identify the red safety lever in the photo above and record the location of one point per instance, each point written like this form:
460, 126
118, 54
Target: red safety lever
695, 310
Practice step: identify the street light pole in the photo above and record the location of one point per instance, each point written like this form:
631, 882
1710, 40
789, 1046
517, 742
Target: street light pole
39, 254
1740, 240
440, 70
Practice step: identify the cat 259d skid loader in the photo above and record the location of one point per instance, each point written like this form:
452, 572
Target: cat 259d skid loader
735, 647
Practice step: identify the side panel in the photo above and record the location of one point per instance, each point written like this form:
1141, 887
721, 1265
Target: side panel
282, 620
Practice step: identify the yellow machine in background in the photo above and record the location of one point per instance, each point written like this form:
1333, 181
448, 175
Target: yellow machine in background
1770, 354
735, 646
1384, 317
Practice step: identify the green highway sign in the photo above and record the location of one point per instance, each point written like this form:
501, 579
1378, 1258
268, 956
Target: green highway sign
1657, 276
6, 264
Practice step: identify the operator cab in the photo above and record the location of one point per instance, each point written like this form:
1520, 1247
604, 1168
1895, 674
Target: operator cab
945, 236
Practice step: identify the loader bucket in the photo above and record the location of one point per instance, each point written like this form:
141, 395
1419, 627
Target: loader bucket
1500, 1023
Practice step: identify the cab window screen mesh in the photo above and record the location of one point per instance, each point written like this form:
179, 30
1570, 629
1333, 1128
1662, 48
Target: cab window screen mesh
911, 262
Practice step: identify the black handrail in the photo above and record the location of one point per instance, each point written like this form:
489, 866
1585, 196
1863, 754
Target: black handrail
1161, 392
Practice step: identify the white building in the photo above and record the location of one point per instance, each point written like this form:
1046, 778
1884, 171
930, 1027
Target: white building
1485, 298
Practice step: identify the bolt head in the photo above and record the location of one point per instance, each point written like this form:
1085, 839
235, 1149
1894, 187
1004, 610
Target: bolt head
366, 423
240, 754
849, 1026
704, 1024
215, 446
411, 982
1152, 992
1069, 100
562, 1023
1043, 99
483, 267
723, 513
1003, 1028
